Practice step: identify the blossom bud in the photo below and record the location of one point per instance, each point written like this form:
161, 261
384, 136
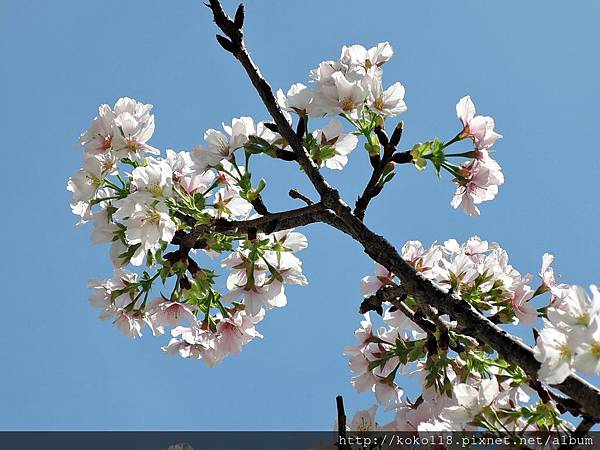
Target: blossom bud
389, 167
374, 148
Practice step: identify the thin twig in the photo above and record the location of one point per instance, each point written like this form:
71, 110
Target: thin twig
373, 187
296, 194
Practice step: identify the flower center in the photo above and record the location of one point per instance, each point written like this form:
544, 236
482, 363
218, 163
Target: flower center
583, 319
223, 147
153, 217
378, 104
106, 142
133, 145
108, 165
348, 104
565, 352
155, 190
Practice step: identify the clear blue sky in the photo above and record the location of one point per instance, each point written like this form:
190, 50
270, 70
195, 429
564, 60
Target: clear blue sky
532, 65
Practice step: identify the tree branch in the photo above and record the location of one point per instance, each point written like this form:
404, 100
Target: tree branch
380, 250
341, 422
276, 221
373, 188
236, 47
269, 223
296, 194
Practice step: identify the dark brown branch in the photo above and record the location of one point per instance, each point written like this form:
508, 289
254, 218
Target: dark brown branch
268, 223
429, 322
380, 250
275, 221
286, 155
402, 157
341, 422
296, 194
259, 206
373, 187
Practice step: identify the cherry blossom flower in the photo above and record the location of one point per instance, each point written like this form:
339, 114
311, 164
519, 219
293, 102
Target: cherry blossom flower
478, 184
130, 323
426, 262
370, 284
104, 228
288, 241
322, 74
559, 291
478, 128
195, 343
88, 181
198, 183
255, 299
147, 221
364, 420
459, 269
228, 203
297, 99
357, 55
102, 292
586, 348
342, 97
341, 144
117, 249
171, 313
181, 164
524, 311
235, 331
134, 126
577, 310
471, 401
389, 102
242, 270
220, 146
98, 138
552, 350
155, 177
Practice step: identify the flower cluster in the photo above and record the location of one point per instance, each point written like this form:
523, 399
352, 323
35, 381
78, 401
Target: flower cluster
467, 386
479, 177
570, 338
352, 88
143, 203
348, 85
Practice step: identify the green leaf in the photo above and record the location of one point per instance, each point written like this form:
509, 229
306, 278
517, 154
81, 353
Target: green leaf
419, 152
326, 152
437, 155
199, 201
